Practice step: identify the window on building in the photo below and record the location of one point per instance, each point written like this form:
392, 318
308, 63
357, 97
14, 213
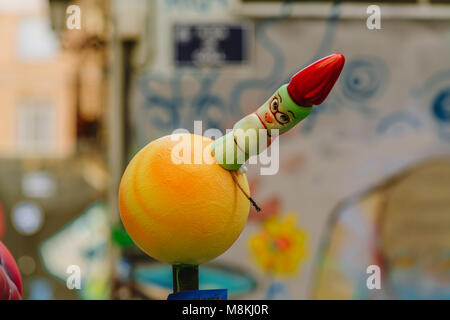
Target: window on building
36, 132
35, 40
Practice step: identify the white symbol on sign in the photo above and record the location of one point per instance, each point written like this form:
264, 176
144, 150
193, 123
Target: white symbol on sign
209, 53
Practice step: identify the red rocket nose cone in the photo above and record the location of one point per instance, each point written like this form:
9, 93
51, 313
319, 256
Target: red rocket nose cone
312, 85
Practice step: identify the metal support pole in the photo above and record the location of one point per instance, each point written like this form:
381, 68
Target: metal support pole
185, 277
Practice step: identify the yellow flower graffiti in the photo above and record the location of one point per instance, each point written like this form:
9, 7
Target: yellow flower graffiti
279, 246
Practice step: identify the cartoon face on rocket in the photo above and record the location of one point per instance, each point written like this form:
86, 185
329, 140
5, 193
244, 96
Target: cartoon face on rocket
294, 101
281, 112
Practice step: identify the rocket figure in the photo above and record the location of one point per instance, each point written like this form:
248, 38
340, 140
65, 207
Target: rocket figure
290, 104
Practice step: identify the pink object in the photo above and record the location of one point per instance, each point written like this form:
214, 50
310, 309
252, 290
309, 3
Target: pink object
2, 222
10, 280
311, 85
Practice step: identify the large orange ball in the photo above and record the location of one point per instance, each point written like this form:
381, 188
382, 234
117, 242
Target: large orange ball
182, 213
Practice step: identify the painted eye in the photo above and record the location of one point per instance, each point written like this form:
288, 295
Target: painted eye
282, 118
274, 105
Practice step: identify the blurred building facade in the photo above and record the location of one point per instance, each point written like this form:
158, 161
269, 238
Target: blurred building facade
37, 88
52, 161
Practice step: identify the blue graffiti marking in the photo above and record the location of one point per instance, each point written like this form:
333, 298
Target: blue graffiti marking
395, 118
437, 87
167, 105
433, 81
441, 110
166, 113
363, 78
441, 105
204, 101
330, 32
274, 76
